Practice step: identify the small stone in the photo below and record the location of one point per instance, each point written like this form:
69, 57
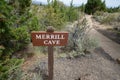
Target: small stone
118, 60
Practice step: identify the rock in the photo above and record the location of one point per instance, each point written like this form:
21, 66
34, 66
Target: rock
118, 60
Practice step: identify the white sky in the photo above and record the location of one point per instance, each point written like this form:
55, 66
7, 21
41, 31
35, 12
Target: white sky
109, 3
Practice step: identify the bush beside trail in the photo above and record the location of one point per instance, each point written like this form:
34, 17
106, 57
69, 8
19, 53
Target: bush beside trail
112, 19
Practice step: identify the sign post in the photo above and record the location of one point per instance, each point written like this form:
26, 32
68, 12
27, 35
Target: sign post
50, 62
49, 38
50, 57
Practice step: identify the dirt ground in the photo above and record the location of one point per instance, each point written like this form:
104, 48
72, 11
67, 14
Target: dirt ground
97, 65
94, 66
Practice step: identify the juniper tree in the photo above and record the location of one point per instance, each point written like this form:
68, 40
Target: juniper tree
94, 5
5, 31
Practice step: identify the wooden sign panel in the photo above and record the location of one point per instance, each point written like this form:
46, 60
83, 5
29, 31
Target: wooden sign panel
42, 38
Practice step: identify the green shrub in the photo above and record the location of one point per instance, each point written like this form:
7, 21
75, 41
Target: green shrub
1, 50
106, 18
78, 40
55, 14
8, 68
94, 5
53, 18
71, 14
20, 37
34, 25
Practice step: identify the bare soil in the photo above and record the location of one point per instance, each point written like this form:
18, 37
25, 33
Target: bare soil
97, 65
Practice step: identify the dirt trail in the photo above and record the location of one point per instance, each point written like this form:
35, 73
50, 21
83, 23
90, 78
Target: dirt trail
109, 46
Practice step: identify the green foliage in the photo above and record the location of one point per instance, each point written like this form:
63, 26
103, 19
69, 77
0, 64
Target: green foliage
23, 5
82, 8
8, 68
71, 13
94, 5
1, 50
112, 19
107, 18
16, 23
103, 6
79, 40
21, 37
55, 14
34, 24
53, 18
112, 10
5, 31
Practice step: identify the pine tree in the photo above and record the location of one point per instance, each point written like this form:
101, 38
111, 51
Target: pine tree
23, 5
103, 6
83, 7
5, 31
13, 27
94, 5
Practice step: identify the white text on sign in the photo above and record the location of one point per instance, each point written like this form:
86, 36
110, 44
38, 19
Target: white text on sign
53, 39
49, 36
49, 39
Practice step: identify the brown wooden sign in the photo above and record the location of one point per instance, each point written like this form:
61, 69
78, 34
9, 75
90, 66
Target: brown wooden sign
42, 38
50, 39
